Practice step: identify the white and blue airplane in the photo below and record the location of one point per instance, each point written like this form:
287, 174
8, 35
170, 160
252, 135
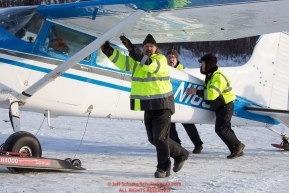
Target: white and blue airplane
50, 61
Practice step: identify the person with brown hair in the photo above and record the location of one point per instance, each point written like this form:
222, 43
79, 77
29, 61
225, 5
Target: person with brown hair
191, 129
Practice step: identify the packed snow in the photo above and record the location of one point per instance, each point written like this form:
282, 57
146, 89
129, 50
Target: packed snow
118, 158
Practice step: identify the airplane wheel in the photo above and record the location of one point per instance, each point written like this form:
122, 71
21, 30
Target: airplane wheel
23, 142
76, 163
68, 160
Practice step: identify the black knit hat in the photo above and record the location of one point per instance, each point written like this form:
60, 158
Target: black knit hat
173, 52
211, 63
149, 39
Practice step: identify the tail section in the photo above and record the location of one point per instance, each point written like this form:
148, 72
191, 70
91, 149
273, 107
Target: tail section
264, 79
279, 97
262, 84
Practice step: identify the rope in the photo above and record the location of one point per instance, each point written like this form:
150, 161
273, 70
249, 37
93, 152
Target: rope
82, 136
40, 125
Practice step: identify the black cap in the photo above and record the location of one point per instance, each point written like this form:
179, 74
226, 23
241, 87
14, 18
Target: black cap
211, 62
149, 39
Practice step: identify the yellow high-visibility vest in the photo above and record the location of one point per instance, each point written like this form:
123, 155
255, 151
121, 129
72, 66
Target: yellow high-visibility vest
151, 88
180, 67
219, 84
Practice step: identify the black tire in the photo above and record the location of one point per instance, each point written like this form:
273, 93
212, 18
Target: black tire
76, 163
69, 160
26, 142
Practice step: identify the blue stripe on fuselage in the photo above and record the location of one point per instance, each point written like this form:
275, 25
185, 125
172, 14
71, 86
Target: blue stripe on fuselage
179, 88
66, 75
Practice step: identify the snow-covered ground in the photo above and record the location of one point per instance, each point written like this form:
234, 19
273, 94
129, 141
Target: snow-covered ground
118, 157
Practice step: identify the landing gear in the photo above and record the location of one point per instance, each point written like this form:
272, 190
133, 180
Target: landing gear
24, 143
21, 152
283, 145
285, 141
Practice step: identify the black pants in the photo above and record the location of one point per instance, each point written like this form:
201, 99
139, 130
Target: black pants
157, 123
223, 126
191, 131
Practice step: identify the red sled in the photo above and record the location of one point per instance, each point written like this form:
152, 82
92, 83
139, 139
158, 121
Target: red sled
280, 146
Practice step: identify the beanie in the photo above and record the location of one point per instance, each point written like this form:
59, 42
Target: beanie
211, 63
149, 39
173, 52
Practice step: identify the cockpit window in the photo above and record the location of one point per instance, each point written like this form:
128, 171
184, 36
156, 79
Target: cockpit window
22, 22
66, 41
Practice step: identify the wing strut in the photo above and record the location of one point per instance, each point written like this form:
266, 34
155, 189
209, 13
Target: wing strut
51, 76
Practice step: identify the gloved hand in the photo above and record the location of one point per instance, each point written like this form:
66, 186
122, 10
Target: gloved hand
105, 46
107, 49
126, 42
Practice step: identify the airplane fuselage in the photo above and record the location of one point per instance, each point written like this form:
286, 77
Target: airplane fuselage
92, 82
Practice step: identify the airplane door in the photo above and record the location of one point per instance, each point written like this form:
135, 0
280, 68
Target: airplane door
56, 44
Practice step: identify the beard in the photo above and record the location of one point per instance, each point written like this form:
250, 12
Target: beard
149, 53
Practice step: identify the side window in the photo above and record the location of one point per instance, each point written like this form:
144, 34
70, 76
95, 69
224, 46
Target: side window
22, 22
30, 31
66, 41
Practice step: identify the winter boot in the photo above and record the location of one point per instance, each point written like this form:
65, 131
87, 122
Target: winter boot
238, 152
180, 161
162, 174
198, 149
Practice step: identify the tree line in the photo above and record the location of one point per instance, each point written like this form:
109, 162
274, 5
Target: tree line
237, 49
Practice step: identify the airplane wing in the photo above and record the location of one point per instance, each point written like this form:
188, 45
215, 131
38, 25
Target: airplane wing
280, 115
175, 20
167, 20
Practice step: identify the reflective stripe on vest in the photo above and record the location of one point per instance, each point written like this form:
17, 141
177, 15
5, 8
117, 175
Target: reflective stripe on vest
213, 91
228, 84
149, 78
149, 81
157, 96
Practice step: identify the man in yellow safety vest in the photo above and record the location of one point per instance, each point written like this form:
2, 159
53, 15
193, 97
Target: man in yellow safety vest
151, 92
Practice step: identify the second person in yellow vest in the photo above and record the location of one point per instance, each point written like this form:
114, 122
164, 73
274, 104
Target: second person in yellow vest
219, 92
191, 129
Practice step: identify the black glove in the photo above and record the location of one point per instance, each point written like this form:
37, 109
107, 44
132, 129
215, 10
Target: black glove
105, 46
126, 42
107, 49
